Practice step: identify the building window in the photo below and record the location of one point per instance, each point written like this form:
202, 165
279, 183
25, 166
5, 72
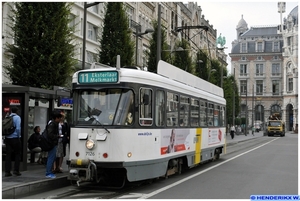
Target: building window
92, 32
275, 69
259, 87
275, 109
129, 13
275, 87
259, 71
72, 23
243, 86
276, 46
290, 84
94, 8
243, 69
244, 48
91, 57
259, 47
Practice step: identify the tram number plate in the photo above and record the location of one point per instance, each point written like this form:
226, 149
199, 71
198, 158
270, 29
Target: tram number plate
90, 153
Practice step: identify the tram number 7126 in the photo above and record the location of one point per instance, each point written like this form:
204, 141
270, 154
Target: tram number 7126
91, 153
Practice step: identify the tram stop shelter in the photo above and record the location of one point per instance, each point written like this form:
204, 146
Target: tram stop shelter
35, 106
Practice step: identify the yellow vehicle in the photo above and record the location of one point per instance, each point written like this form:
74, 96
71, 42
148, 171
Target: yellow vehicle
275, 126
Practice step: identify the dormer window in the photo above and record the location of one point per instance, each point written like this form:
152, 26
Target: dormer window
244, 47
259, 47
276, 46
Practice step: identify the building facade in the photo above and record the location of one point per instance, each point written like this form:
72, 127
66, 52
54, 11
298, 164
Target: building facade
265, 65
289, 31
141, 15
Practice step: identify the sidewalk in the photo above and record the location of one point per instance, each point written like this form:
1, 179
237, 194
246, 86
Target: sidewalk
33, 180
242, 137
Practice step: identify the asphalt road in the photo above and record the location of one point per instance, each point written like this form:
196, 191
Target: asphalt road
261, 166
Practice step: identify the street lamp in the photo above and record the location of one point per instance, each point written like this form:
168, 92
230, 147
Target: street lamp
199, 62
178, 49
137, 34
86, 5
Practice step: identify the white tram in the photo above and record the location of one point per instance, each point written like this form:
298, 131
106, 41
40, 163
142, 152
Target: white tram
132, 125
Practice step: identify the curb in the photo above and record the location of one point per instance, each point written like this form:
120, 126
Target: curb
19, 191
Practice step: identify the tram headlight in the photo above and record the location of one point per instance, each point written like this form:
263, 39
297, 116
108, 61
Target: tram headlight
90, 144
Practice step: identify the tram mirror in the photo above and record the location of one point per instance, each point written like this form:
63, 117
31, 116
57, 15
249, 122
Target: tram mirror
146, 99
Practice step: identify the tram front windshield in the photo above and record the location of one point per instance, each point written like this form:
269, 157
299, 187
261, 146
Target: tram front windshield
105, 107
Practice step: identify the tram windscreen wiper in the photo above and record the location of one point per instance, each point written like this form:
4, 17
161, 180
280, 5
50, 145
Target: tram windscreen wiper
94, 115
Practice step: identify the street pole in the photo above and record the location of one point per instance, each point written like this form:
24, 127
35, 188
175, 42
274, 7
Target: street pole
233, 106
252, 106
158, 53
246, 126
86, 5
136, 44
137, 34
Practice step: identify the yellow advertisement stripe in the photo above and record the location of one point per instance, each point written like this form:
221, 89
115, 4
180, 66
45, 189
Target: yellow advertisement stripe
198, 145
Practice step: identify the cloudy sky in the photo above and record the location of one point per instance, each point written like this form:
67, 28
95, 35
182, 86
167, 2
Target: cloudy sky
225, 15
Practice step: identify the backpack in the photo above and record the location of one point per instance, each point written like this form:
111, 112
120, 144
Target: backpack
44, 142
8, 126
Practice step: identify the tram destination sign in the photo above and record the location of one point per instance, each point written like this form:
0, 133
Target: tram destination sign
93, 77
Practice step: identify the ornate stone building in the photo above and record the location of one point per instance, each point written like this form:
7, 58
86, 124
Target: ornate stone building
289, 31
264, 61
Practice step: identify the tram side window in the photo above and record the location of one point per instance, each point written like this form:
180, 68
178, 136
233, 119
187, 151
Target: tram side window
222, 116
184, 111
146, 116
160, 108
172, 109
203, 114
216, 115
210, 114
194, 112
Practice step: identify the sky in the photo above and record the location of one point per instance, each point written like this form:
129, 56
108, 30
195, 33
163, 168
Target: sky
225, 16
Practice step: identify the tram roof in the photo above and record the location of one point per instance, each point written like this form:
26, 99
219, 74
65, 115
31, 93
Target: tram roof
168, 76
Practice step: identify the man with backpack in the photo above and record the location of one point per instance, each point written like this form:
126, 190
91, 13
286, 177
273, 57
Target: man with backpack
13, 145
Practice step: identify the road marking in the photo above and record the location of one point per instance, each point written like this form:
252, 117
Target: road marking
131, 195
146, 196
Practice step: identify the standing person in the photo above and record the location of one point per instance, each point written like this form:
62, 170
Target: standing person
52, 129
60, 152
13, 144
232, 131
253, 129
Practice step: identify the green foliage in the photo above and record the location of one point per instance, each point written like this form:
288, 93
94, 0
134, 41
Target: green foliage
181, 58
116, 37
42, 55
152, 54
231, 92
201, 65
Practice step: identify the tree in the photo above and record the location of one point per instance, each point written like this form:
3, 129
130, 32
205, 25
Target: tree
116, 37
231, 92
201, 65
181, 58
152, 54
42, 55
